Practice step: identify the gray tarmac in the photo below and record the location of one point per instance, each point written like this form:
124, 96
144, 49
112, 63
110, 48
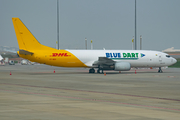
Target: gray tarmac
35, 92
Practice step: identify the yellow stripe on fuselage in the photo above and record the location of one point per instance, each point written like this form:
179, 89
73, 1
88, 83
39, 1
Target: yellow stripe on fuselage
61, 58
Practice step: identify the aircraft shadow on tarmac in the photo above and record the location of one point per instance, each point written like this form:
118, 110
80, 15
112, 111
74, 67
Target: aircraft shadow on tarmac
105, 73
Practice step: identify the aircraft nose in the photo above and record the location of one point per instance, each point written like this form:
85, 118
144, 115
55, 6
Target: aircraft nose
174, 60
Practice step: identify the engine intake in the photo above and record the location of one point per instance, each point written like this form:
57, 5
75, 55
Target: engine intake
122, 66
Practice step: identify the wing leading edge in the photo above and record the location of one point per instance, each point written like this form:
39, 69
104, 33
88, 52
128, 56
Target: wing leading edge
102, 61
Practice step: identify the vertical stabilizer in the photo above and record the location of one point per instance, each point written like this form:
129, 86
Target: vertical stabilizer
25, 38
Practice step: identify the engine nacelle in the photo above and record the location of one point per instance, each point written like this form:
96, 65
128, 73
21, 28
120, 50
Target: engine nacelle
122, 66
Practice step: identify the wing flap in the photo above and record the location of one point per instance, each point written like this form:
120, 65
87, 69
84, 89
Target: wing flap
105, 61
102, 61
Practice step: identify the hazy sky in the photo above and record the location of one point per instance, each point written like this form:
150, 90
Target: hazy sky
109, 23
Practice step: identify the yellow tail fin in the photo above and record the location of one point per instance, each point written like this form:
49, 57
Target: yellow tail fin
25, 38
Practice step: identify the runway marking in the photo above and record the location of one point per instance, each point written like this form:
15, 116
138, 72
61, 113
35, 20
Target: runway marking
156, 76
94, 92
78, 98
171, 76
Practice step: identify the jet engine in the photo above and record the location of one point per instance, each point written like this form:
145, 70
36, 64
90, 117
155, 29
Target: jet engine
122, 66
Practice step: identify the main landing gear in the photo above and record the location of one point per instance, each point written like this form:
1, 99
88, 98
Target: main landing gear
91, 70
98, 71
160, 70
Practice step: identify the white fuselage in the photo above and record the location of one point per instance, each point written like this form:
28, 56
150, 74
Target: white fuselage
137, 58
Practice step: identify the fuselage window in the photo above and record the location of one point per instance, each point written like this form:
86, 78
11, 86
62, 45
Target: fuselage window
168, 56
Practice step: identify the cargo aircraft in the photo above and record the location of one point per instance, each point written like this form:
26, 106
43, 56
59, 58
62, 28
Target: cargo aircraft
118, 60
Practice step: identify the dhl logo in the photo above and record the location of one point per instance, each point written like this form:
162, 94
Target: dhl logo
59, 55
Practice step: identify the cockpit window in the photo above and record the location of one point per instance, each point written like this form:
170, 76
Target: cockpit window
168, 56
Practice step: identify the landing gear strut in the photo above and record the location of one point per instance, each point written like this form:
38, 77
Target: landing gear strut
160, 70
99, 68
98, 71
91, 70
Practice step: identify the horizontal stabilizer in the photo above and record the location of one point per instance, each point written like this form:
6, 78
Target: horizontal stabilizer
25, 52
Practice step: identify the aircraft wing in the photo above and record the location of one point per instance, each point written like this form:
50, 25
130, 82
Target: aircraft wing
104, 61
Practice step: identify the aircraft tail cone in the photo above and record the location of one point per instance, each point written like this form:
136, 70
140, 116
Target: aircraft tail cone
10, 73
104, 73
54, 71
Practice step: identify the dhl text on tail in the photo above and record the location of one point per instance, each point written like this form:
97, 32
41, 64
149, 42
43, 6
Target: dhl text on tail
118, 60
